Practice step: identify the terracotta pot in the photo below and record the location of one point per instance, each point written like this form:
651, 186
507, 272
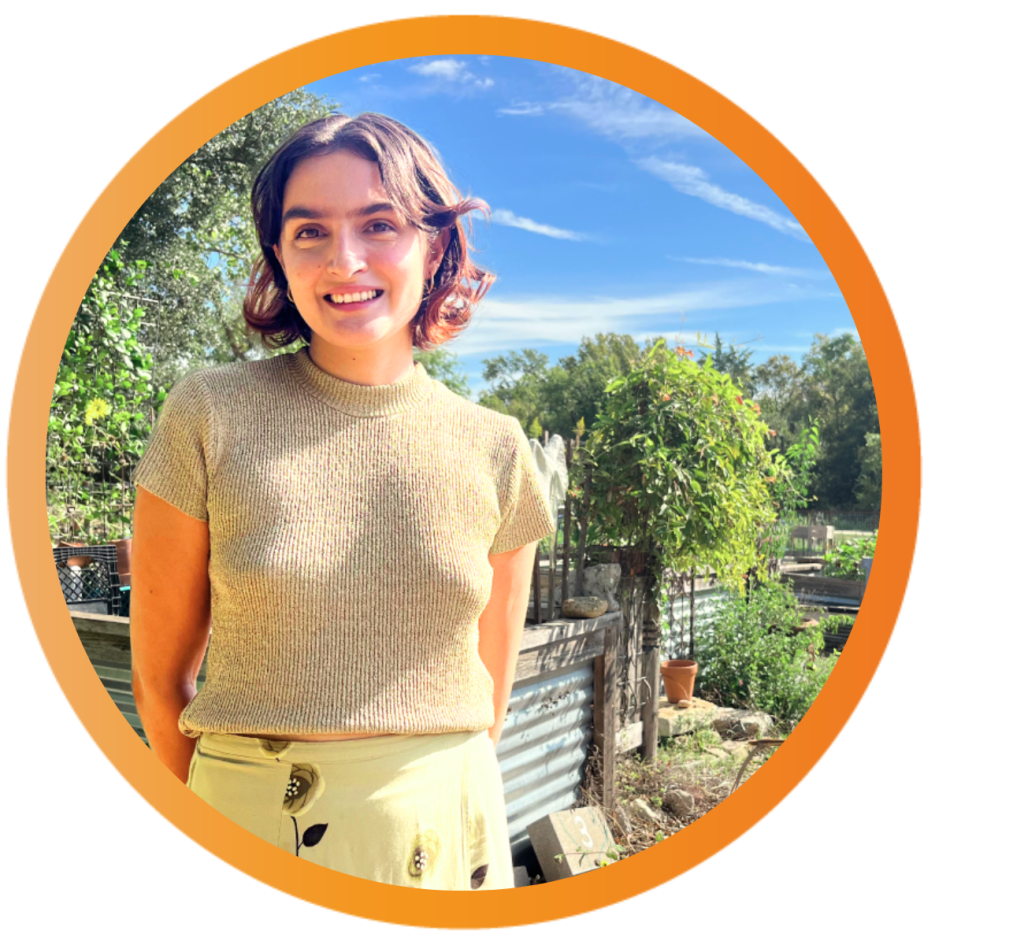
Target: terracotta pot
78, 561
124, 559
679, 677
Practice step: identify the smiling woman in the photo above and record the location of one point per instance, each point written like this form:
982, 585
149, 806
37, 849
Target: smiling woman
305, 505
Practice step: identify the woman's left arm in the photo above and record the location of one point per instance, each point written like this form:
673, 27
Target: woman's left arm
502, 622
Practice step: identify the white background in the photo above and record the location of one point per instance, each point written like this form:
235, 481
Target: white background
904, 114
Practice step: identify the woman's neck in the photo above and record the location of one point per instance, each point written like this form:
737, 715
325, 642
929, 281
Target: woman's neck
370, 367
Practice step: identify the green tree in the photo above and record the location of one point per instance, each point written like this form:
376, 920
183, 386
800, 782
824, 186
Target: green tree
195, 231
734, 361
516, 384
442, 365
679, 469
779, 385
101, 413
572, 389
840, 394
869, 480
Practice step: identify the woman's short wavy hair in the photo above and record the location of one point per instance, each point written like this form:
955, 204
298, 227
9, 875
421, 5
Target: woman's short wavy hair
415, 183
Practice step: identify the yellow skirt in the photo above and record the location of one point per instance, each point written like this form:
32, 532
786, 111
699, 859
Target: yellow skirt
411, 810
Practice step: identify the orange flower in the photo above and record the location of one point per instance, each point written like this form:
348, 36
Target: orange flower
665, 397
714, 397
755, 406
771, 433
769, 479
739, 400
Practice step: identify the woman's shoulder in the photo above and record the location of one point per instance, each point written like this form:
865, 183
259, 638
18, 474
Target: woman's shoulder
476, 416
221, 383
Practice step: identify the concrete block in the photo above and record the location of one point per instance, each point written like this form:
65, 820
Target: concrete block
570, 842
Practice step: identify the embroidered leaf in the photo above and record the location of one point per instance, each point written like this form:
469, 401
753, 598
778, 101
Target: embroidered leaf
313, 835
478, 877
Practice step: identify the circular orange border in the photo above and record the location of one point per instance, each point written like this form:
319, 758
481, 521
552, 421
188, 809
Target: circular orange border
498, 36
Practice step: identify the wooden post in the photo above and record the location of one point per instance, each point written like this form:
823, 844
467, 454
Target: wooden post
606, 692
651, 669
693, 610
566, 528
536, 585
581, 552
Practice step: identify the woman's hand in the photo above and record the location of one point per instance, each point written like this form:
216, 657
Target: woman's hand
170, 621
501, 624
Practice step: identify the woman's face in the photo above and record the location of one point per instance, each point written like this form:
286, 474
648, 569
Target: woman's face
356, 270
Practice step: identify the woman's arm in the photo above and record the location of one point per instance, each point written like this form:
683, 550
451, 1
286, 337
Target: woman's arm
170, 621
502, 622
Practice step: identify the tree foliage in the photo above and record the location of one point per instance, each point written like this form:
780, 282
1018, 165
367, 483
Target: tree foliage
679, 468
101, 411
195, 230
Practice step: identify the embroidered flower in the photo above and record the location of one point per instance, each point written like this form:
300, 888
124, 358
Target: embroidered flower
478, 877
303, 789
425, 852
272, 749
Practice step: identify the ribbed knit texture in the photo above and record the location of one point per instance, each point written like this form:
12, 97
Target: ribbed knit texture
349, 532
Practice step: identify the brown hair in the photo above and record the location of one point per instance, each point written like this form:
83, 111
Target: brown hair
416, 184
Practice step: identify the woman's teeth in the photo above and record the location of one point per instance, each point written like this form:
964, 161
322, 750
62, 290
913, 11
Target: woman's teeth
354, 296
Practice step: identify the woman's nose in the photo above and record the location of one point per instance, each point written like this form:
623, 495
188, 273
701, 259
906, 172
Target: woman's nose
347, 257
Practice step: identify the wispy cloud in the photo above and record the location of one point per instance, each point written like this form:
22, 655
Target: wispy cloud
370, 77
508, 218
693, 182
755, 267
504, 323
450, 70
613, 111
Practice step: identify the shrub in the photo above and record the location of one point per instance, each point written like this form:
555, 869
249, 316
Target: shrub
844, 561
753, 658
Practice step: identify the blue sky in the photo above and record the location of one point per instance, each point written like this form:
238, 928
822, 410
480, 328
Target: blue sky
610, 212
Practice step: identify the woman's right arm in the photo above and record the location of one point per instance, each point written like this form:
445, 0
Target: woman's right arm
170, 621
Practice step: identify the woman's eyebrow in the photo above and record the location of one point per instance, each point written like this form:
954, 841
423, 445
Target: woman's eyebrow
307, 213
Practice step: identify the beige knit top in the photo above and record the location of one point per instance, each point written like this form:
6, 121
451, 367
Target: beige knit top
349, 532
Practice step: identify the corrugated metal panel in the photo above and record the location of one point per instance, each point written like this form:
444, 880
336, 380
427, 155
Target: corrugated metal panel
676, 628
543, 746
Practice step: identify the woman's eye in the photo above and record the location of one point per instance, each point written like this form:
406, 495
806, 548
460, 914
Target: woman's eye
381, 226
307, 232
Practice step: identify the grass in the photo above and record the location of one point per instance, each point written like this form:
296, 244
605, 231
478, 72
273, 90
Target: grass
699, 763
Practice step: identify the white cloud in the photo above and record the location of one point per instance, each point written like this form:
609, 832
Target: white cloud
613, 111
450, 70
524, 109
755, 267
508, 218
693, 182
504, 323
370, 77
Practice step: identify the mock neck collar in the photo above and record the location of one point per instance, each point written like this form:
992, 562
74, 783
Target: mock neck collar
361, 400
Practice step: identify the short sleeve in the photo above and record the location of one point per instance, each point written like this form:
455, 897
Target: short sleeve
525, 515
176, 462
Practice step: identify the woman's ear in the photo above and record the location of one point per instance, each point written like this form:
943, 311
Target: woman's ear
277, 253
438, 248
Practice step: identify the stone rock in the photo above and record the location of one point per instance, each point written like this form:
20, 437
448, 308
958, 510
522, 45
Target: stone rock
681, 720
584, 607
646, 811
680, 802
602, 580
740, 723
735, 748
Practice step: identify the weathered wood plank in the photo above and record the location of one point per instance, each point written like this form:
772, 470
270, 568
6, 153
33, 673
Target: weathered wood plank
542, 635
560, 654
100, 625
